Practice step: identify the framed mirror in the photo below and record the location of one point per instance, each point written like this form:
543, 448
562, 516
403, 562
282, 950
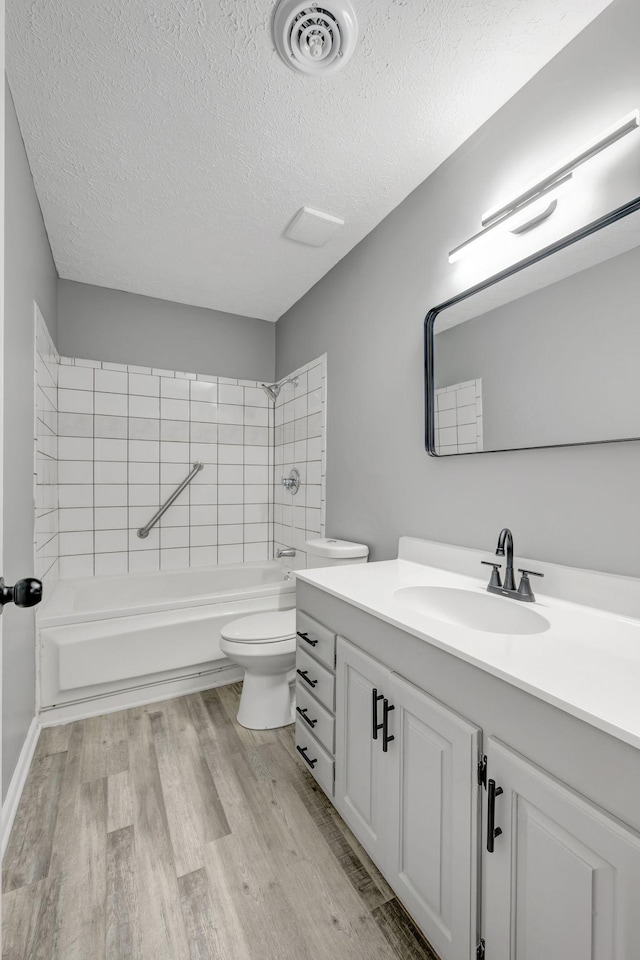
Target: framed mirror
545, 353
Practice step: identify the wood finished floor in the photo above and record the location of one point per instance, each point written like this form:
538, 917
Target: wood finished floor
169, 832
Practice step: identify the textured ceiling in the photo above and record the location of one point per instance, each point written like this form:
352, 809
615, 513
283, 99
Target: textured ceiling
170, 146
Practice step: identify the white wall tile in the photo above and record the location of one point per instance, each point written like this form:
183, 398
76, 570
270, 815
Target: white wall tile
110, 449
144, 562
75, 378
109, 541
209, 556
75, 448
144, 406
141, 385
109, 564
111, 404
75, 401
232, 553
175, 389
108, 381
148, 428
110, 518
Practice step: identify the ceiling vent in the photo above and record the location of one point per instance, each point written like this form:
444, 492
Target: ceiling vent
312, 227
312, 39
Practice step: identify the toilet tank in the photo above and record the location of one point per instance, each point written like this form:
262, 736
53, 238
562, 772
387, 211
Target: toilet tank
328, 552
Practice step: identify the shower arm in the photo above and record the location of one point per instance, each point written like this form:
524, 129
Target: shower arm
273, 389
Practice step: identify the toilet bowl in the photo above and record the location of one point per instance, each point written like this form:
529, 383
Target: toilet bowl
265, 645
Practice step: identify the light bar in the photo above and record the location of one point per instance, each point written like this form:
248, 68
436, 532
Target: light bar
496, 216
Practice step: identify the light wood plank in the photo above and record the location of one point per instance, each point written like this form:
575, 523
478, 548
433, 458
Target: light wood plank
53, 740
255, 919
123, 941
64, 839
194, 812
401, 932
119, 801
28, 854
83, 893
31, 920
203, 922
105, 750
161, 922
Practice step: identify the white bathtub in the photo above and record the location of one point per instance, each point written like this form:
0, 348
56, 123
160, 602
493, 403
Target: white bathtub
100, 636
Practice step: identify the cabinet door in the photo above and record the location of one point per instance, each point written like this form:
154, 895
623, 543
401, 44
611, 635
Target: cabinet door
564, 878
360, 775
434, 810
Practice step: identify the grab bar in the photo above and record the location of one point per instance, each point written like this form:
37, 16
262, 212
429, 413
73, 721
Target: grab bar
144, 531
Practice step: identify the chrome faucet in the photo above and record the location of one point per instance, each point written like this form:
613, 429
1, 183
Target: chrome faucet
287, 552
508, 589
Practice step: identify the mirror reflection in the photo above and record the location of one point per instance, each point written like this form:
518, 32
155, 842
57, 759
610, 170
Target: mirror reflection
547, 356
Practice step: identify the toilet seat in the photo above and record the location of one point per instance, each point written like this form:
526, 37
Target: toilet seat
262, 628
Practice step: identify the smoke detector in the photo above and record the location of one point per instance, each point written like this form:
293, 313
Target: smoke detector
313, 39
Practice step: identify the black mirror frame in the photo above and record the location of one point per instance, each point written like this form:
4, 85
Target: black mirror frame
430, 320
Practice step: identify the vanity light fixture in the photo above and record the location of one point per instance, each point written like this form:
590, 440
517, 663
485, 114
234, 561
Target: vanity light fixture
533, 204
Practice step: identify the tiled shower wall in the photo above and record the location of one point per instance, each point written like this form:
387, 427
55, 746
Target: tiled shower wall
112, 442
458, 418
300, 441
127, 436
46, 453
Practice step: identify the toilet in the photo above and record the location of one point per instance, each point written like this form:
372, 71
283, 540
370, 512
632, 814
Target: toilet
264, 644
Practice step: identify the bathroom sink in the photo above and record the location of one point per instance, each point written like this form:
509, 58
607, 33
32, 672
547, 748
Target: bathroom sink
478, 611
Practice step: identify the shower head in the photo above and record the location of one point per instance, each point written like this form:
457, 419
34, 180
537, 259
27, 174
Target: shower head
273, 389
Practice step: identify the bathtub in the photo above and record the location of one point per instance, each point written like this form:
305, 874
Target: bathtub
101, 636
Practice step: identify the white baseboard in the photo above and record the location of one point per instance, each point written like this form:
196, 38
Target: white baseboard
139, 696
18, 780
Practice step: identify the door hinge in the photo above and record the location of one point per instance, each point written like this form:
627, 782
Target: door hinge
482, 772
480, 951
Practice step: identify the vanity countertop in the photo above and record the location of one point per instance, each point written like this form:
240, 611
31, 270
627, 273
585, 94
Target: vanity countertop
587, 663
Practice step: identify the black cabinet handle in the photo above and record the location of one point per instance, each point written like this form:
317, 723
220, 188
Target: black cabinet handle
492, 830
303, 753
375, 696
25, 593
305, 676
303, 713
309, 640
386, 710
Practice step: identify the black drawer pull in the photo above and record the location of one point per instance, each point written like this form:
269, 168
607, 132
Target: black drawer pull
303, 713
386, 739
305, 676
309, 640
492, 830
375, 696
303, 753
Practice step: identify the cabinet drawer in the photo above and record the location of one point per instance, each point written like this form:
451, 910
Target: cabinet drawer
314, 757
316, 639
315, 678
314, 717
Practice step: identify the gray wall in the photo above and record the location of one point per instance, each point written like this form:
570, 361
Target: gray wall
557, 366
30, 275
576, 506
97, 323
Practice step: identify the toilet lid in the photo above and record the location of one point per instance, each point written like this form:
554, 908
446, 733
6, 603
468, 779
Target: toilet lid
279, 625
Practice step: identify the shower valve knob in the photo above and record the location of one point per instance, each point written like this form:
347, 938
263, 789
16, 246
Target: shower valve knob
25, 593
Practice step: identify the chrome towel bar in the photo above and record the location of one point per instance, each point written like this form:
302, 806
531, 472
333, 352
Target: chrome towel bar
144, 531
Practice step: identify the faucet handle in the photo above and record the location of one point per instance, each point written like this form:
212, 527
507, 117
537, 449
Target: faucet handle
494, 580
524, 590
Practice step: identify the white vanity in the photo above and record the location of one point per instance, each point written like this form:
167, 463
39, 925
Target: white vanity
422, 730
